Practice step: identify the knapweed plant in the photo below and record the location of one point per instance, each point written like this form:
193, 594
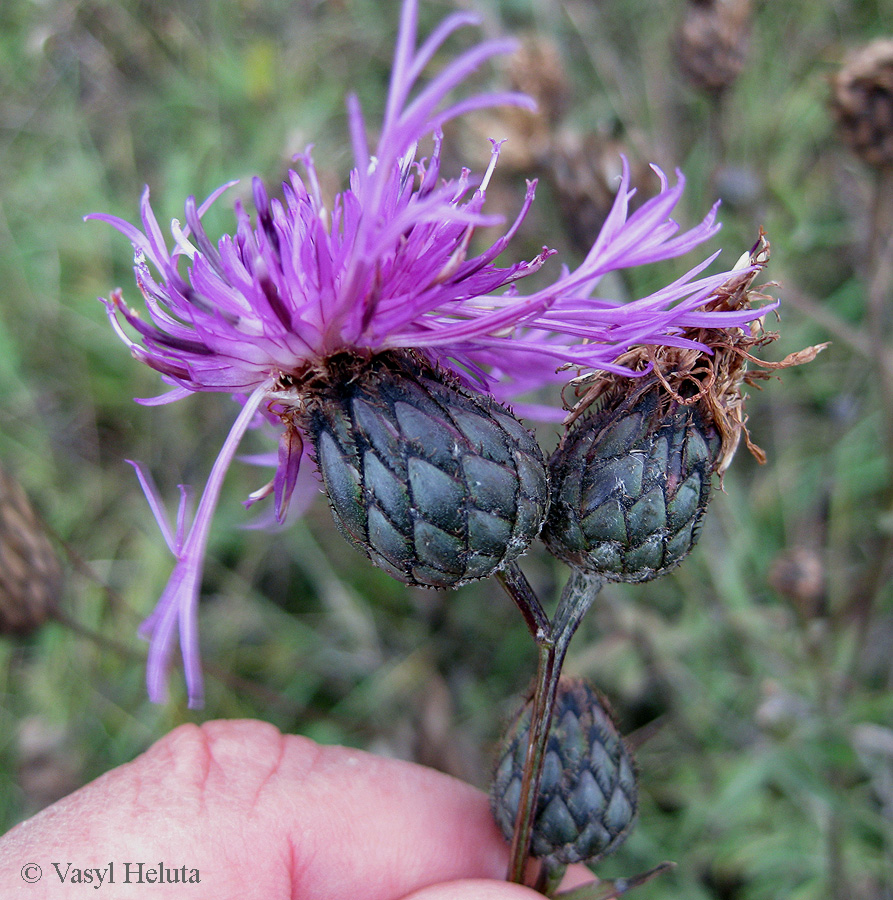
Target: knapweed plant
383, 340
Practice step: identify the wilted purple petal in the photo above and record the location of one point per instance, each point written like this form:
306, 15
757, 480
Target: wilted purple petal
156, 504
291, 451
179, 602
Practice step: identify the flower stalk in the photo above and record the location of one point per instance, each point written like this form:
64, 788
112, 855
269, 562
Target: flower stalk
552, 640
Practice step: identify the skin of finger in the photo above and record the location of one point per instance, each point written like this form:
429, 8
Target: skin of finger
474, 889
265, 815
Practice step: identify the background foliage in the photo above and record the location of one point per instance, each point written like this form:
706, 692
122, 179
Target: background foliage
757, 677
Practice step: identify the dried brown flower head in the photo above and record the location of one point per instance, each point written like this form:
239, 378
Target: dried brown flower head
798, 574
535, 69
711, 44
30, 574
862, 102
711, 382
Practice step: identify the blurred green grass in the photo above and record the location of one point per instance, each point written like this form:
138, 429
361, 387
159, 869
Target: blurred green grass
771, 772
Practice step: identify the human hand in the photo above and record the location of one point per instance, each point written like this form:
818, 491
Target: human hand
254, 813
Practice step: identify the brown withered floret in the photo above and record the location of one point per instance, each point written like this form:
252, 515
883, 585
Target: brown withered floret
710, 381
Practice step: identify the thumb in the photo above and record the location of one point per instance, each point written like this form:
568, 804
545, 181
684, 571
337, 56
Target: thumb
474, 889
479, 889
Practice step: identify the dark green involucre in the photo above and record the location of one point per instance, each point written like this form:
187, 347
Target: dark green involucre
588, 794
630, 485
436, 484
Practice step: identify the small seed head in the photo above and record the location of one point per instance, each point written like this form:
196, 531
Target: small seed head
588, 794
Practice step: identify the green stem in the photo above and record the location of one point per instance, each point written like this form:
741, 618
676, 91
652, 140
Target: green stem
518, 588
541, 719
576, 598
550, 877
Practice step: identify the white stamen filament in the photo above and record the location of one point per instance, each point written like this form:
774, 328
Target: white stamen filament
494, 156
181, 240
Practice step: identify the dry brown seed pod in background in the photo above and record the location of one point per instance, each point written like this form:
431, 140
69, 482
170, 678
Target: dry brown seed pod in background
30, 573
711, 45
862, 102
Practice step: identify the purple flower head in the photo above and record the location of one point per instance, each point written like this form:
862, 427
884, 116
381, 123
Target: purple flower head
389, 266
